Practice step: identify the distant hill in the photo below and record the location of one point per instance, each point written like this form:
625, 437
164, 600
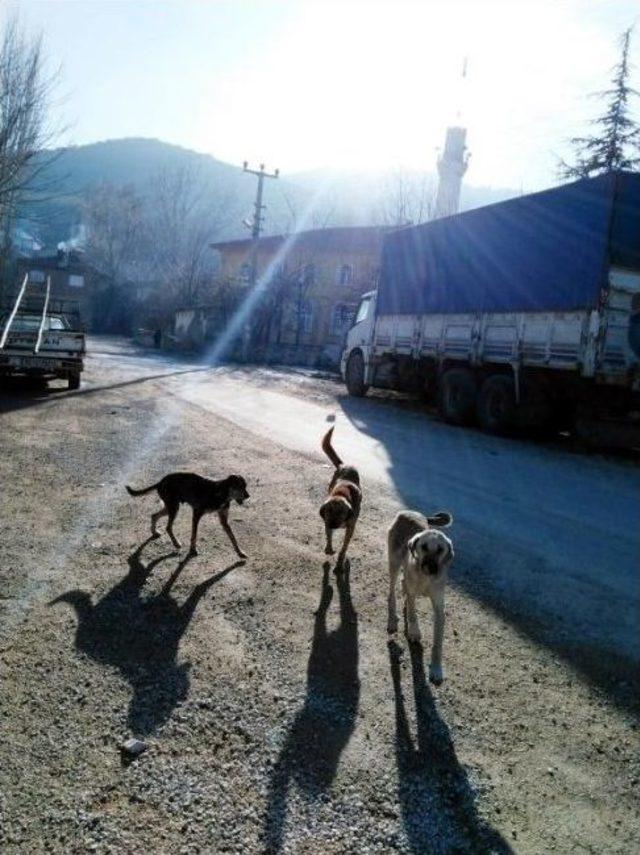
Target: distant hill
318, 198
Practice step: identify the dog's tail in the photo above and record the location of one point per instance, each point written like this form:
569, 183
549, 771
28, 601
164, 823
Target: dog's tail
329, 450
442, 519
142, 492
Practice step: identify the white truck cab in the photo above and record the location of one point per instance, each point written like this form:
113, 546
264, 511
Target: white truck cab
355, 364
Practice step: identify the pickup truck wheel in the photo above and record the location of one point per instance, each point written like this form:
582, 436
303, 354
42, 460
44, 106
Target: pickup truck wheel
497, 404
74, 381
354, 376
457, 396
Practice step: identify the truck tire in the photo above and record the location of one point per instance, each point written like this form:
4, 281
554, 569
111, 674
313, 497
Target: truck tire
354, 376
74, 381
457, 396
497, 404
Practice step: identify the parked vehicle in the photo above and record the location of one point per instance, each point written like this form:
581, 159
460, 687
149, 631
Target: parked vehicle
41, 337
521, 314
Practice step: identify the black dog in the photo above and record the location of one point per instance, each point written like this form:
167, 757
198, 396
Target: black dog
203, 494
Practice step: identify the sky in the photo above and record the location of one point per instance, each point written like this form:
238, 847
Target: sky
345, 85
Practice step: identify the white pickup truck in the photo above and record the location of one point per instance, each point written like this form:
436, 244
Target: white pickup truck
48, 345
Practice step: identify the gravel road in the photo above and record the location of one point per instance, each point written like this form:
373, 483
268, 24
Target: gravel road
276, 716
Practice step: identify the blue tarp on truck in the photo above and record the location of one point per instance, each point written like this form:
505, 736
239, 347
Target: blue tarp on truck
548, 251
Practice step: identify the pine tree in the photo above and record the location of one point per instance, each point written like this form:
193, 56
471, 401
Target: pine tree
615, 145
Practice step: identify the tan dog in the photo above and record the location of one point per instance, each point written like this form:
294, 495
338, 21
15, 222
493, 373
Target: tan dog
424, 556
342, 507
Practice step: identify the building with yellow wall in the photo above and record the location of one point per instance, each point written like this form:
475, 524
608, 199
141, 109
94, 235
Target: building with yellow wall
312, 282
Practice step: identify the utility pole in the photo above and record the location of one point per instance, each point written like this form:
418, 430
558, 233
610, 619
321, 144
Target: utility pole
256, 227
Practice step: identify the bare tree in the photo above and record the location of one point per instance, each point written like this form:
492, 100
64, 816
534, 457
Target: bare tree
615, 144
405, 199
154, 251
114, 222
183, 220
115, 229
25, 93
316, 213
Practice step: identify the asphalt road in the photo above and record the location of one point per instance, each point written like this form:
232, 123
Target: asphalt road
547, 537
278, 716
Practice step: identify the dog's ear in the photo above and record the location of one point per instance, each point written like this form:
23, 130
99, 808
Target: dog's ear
412, 545
448, 556
322, 511
442, 519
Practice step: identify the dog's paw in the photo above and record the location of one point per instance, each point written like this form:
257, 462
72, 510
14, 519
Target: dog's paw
328, 550
155, 535
436, 674
392, 626
242, 554
193, 551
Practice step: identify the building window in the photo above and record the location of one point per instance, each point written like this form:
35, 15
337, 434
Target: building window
305, 317
76, 280
36, 276
345, 275
341, 319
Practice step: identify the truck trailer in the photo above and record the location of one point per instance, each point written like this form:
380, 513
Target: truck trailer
521, 314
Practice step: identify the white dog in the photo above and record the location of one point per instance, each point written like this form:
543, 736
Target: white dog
424, 556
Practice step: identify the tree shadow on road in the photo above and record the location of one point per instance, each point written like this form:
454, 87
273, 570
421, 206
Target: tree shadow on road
140, 637
436, 799
323, 727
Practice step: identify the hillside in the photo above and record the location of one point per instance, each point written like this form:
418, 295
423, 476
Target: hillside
317, 198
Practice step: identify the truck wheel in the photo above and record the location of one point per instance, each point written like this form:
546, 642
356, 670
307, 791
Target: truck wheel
497, 404
354, 376
74, 381
457, 396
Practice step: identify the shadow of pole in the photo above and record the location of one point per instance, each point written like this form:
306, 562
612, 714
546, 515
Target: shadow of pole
436, 799
17, 393
322, 728
140, 637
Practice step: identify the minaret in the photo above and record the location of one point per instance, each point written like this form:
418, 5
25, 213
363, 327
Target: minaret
453, 163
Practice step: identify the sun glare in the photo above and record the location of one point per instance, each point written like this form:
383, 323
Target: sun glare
360, 85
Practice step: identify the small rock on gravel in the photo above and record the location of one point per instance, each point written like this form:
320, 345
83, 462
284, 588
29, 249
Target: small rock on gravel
133, 747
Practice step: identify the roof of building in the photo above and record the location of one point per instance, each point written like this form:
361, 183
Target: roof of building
348, 237
68, 261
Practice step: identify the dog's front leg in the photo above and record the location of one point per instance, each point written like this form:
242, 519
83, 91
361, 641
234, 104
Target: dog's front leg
329, 550
223, 515
348, 534
413, 628
436, 670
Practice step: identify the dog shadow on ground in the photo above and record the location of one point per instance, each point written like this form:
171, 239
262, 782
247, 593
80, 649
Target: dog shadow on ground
322, 728
437, 801
140, 636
